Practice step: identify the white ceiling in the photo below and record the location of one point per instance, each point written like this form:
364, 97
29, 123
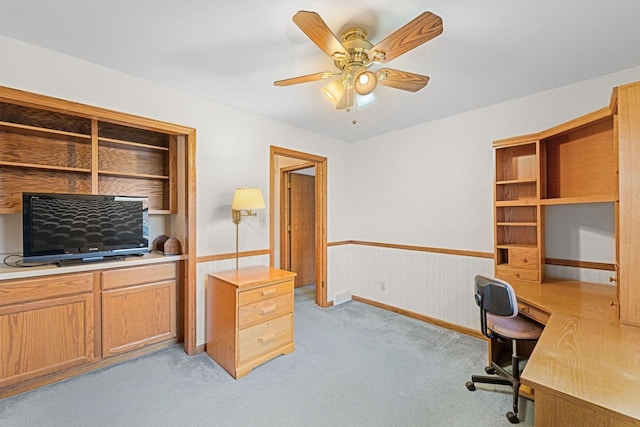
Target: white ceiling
232, 51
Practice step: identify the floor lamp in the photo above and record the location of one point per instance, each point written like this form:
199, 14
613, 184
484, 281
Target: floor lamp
245, 201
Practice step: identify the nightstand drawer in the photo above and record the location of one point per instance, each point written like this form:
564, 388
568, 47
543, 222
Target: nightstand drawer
523, 258
250, 314
265, 336
265, 292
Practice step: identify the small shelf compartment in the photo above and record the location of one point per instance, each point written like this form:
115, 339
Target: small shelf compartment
516, 164
54, 152
516, 235
581, 164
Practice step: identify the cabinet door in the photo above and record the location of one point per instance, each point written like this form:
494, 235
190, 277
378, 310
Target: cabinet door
137, 316
38, 338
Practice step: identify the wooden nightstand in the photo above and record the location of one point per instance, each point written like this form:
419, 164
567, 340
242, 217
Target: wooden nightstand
249, 317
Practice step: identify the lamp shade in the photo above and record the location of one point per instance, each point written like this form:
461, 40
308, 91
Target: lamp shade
366, 82
247, 199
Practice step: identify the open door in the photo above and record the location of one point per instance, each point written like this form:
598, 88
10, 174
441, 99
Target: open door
300, 220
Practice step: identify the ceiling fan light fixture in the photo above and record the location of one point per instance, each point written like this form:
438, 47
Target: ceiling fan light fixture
334, 91
366, 83
363, 101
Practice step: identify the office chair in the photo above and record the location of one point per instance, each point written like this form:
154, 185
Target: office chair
499, 320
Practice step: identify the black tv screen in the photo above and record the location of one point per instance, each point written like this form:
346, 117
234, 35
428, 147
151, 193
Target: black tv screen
83, 227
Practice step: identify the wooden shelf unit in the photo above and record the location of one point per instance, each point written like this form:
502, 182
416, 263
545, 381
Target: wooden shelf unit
591, 159
44, 150
50, 145
517, 232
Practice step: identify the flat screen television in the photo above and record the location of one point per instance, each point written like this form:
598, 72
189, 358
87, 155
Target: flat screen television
82, 227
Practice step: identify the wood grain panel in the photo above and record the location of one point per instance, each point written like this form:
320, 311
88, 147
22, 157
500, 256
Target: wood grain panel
41, 337
582, 162
516, 214
629, 224
302, 231
48, 150
516, 163
263, 292
593, 363
132, 134
554, 409
132, 160
155, 190
138, 316
36, 289
122, 277
260, 311
44, 118
264, 337
14, 181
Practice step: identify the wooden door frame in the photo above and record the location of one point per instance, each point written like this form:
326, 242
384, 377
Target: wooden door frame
320, 164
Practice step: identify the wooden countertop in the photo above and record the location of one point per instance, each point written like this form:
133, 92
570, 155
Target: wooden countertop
570, 297
588, 359
584, 352
13, 273
251, 276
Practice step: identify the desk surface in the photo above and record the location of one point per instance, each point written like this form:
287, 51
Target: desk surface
584, 352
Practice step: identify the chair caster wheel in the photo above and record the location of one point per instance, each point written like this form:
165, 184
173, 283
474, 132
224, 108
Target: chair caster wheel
470, 386
489, 370
513, 418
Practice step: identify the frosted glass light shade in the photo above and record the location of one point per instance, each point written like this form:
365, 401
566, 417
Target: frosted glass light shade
334, 91
366, 83
247, 199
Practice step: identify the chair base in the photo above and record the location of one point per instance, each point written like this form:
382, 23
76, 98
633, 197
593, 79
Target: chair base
501, 377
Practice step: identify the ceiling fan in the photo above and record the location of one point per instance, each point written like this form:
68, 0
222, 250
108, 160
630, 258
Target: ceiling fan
353, 55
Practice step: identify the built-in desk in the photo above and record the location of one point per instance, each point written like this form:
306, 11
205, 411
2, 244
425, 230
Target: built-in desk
585, 369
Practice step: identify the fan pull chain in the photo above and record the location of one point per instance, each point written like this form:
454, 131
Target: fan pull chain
355, 106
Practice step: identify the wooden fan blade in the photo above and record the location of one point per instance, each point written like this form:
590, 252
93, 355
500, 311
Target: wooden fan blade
420, 30
304, 79
401, 79
314, 27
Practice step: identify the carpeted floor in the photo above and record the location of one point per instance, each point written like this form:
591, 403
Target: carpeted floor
354, 365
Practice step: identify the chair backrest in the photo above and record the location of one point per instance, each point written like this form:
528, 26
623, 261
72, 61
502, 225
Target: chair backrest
496, 296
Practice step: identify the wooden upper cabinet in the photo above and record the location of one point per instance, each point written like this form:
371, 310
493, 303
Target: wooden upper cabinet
46, 150
628, 129
580, 163
594, 158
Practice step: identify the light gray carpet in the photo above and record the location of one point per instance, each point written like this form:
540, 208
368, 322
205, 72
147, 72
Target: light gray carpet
354, 365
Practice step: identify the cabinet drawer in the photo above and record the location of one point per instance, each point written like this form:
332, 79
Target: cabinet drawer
138, 275
264, 292
264, 337
259, 311
513, 274
38, 289
534, 313
523, 258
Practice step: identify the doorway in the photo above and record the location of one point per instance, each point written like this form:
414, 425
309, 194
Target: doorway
297, 223
305, 251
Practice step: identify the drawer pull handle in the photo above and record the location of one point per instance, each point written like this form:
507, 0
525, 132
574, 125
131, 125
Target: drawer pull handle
268, 292
524, 308
524, 260
266, 338
267, 310
517, 274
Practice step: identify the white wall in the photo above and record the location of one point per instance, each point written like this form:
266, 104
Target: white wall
431, 185
232, 145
